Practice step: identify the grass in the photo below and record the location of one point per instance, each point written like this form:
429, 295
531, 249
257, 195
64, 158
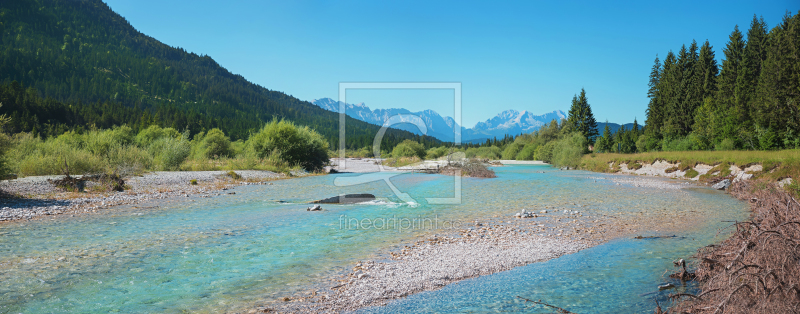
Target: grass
777, 165
691, 158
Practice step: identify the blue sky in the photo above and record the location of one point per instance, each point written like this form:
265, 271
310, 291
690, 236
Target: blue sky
525, 55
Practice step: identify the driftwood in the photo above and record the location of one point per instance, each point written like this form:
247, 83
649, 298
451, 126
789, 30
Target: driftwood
560, 310
757, 269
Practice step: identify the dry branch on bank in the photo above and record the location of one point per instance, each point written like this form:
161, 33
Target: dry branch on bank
468, 168
756, 270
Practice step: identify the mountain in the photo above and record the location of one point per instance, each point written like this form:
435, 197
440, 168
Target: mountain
437, 126
80, 53
509, 122
613, 127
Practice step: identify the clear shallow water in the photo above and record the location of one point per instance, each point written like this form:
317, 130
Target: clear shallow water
211, 255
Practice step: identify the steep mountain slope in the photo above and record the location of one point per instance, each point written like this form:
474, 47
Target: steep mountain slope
80, 51
509, 122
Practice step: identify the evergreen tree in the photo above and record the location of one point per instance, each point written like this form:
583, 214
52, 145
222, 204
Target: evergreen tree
777, 105
728, 106
604, 143
581, 119
655, 110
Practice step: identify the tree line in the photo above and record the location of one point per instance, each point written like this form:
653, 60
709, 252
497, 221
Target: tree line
750, 101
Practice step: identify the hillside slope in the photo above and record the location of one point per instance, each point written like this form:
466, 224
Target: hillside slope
80, 51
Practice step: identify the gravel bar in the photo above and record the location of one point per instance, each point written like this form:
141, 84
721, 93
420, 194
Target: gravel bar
37, 197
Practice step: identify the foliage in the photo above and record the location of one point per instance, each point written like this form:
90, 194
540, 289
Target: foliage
511, 151
71, 65
528, 152
580, 117
294, 145
170, 152
568, 151
490, 152
750, 102
409, 148
437, 152
216, 144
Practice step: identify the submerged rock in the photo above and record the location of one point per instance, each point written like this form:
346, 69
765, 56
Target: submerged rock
722, 185
346, 199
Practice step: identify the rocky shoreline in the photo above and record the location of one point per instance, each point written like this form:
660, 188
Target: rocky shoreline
35, 197
497, 244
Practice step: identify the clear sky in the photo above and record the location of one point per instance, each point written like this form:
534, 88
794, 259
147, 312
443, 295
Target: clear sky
525, 55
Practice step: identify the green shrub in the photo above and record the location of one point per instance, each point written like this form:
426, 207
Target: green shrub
691, 173
528, 152
146, 137
233, 175
216, 144
129, 160
490, 152
691, 142
436, 152
170, 152
54, 157
5, 146
193, 181
294, 145
645, 143
409, 148
726, 144
545, 152
511, 151
569, 151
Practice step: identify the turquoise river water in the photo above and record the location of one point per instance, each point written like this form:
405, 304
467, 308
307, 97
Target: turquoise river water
231, 252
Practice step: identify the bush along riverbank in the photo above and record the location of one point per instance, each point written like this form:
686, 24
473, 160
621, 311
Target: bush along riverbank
757, 269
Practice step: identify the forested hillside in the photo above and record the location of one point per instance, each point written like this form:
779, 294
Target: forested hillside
78, 64
750, 101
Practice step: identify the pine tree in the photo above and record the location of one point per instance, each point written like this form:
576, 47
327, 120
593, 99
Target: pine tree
655, 110
581, 119
726, 100
777, 105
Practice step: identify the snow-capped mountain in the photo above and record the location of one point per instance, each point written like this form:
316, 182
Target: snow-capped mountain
509, 122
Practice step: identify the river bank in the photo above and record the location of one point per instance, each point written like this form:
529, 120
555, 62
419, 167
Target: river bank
488, 246
35, 197
500, 241
756, 270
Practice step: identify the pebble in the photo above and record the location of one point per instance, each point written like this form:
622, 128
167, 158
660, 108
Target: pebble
157, 185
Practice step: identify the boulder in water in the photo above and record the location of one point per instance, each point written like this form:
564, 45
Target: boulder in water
346, 199
314, 208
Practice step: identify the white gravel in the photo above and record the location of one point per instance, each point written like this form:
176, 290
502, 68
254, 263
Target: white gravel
40, 198
431, 264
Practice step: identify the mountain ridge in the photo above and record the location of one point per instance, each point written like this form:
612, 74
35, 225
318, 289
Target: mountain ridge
508, 122
82, 52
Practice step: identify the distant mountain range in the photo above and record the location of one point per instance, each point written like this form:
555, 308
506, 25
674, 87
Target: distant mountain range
509, 122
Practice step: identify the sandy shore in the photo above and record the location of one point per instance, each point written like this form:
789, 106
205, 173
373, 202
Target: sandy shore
38, 198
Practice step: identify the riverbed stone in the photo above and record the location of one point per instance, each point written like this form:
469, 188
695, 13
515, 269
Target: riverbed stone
722, 185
